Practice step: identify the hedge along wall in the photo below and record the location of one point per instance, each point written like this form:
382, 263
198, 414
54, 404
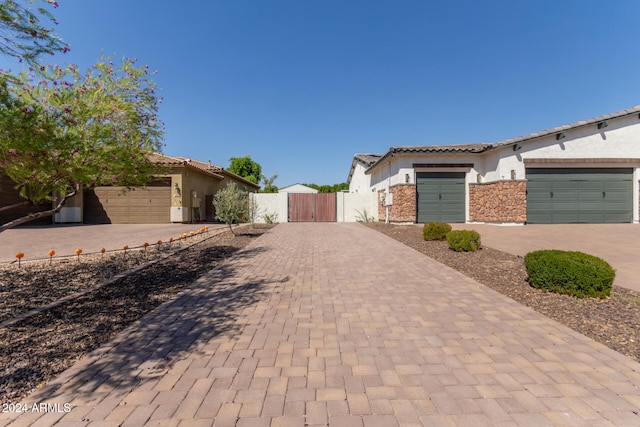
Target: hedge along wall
501, 201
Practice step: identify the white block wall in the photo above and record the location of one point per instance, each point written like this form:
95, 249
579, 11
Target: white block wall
350, 206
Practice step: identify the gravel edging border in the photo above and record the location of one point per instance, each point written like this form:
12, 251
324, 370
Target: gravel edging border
23, 316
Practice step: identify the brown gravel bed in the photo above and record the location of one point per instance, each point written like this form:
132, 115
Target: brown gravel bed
36, 349
613, 321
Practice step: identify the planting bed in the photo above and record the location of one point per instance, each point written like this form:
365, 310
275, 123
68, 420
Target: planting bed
614, 321
34, 350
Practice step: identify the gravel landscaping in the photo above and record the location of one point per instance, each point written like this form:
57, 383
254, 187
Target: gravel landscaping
41, 346
613, 321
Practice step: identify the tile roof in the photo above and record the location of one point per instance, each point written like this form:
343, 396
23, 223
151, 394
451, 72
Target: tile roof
564, 128
460, 148
207, 168
482, 147
367, 159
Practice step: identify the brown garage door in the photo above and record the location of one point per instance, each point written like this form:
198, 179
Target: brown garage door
150, 205
9, 196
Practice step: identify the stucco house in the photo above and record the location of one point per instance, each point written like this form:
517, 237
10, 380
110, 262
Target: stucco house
584, 172
182, 194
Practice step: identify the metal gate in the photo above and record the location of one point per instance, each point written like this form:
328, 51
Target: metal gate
312, 207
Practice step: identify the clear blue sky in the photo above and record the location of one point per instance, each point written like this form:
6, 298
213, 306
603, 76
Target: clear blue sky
303, 85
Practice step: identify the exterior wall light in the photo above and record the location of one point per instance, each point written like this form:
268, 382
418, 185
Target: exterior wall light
560, 136
603, 124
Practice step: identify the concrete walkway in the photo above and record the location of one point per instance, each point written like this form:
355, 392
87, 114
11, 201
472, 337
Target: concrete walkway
336, 324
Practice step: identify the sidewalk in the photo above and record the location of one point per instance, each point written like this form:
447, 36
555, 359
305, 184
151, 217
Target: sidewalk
35, 242
334, 323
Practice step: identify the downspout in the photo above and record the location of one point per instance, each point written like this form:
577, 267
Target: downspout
387, 191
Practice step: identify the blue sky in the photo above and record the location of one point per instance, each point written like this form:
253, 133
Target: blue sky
303, 85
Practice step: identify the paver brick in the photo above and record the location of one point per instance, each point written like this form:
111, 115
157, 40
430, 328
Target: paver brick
335, 323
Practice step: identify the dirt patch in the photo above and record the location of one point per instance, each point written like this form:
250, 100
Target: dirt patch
614, 321
38, 348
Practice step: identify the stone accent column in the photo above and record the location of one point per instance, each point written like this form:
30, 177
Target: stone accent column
500, 201
404, 203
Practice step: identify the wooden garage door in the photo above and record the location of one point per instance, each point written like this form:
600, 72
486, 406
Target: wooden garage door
440, 196
563, 196
150, 205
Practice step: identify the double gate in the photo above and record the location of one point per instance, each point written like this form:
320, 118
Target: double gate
312, 207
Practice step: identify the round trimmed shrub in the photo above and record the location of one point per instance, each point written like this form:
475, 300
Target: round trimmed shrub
435, 230
463, 240
573, 273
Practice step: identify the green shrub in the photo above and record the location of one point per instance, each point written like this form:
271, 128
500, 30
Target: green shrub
463, 240
435, 230
574, 273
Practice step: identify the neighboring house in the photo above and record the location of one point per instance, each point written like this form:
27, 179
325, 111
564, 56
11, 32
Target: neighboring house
10, 196
584, 172
297, 188
359, 181
183, 194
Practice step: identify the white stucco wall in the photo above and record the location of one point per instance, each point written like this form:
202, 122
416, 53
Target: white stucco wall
399, 169
352, 206
349, 206
619, 140
360, 182
271, 203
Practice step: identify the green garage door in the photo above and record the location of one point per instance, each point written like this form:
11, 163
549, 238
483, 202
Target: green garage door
563, 196
440, 196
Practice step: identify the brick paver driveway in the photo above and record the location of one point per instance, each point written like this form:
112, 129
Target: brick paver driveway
318, 324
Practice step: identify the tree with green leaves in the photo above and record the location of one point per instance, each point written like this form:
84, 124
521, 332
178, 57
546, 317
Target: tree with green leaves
24, 34
268, 184
246, 168
335, 188
63, 130
232, 205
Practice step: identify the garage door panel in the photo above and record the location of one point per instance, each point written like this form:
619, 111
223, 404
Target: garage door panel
141, 206
579, 195
440, 196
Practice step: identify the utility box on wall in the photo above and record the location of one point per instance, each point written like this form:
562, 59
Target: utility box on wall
179, 214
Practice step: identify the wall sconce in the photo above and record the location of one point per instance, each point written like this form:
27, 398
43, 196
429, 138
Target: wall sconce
513, 174
406, 177
603, 124
517, 147
560, 136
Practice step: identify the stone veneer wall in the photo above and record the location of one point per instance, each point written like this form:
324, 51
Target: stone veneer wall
501, 201
404, 204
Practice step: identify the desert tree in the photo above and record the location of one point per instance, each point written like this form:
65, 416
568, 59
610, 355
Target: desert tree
62, 130
233, 205
26, 32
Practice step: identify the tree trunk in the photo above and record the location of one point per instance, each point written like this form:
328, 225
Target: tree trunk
15, 205
34, 216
